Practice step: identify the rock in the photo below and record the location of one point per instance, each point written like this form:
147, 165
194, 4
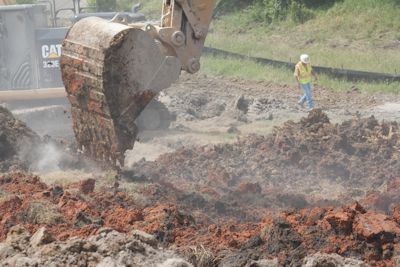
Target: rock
57, 191
25, 261
316, 116
6, 251
82, 219
249, 188
341, 220
10, 203
89, 247
357, 207
42, 212
396, 213
175, 263
374, 227
253, 242
125, 258
321, 259
241, 103
87, 186
314, 216
107, 248
19, 260
136, 246
238, 259
107, 262
74, 245
104, 231
111, 243
396, 261
282, 237
233, 130
41, 237
17, 236
264, 263
145, 237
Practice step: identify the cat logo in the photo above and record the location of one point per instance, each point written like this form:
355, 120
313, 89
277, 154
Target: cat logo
51, 51
51, 56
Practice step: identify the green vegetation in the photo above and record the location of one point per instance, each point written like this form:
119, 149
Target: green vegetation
252, 71
351, 34
23, 2
110, 5
152, 9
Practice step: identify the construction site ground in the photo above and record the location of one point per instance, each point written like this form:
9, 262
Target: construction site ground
243, 177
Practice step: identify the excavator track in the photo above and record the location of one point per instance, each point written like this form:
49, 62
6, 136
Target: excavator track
111, 72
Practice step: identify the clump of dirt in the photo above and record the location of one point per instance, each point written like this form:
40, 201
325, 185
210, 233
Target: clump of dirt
309, 163
106, 248
16, 141
286, 238
276, 199
23, 149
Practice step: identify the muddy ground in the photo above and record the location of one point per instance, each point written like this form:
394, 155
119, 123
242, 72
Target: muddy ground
243, 177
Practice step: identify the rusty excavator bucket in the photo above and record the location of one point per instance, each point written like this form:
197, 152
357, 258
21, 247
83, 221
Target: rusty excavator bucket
111, 71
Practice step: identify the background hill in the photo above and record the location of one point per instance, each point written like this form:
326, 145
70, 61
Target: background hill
350, 34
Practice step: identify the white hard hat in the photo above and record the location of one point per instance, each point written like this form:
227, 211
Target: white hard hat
305, 58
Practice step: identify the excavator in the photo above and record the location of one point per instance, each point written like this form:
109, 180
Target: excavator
112, 69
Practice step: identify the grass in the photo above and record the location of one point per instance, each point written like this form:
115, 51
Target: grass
354, 34
152, 9
61, 178
244, 70
253, 71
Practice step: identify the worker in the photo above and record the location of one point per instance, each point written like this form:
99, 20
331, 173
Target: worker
303, 73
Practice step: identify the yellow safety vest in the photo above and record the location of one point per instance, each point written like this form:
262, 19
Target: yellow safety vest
303, 73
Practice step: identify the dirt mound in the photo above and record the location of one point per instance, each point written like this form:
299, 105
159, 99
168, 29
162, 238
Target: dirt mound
16, 141
107, 248
223, 205
309, 163
23, 149
285, 238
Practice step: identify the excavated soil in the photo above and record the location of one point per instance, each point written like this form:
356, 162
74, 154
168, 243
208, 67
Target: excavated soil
309, 163
303, 189
16, 142
311, 193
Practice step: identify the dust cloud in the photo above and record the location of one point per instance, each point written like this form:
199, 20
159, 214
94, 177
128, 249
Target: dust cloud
49, 158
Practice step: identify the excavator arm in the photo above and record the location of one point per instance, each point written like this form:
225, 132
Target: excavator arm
111, 70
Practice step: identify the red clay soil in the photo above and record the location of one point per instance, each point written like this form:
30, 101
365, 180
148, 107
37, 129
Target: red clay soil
255, 199
305, 164
350, 231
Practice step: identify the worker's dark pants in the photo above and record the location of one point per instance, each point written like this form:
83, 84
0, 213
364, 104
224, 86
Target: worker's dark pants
307, 95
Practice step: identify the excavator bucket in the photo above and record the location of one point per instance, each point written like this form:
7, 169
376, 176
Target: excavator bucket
111, 71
